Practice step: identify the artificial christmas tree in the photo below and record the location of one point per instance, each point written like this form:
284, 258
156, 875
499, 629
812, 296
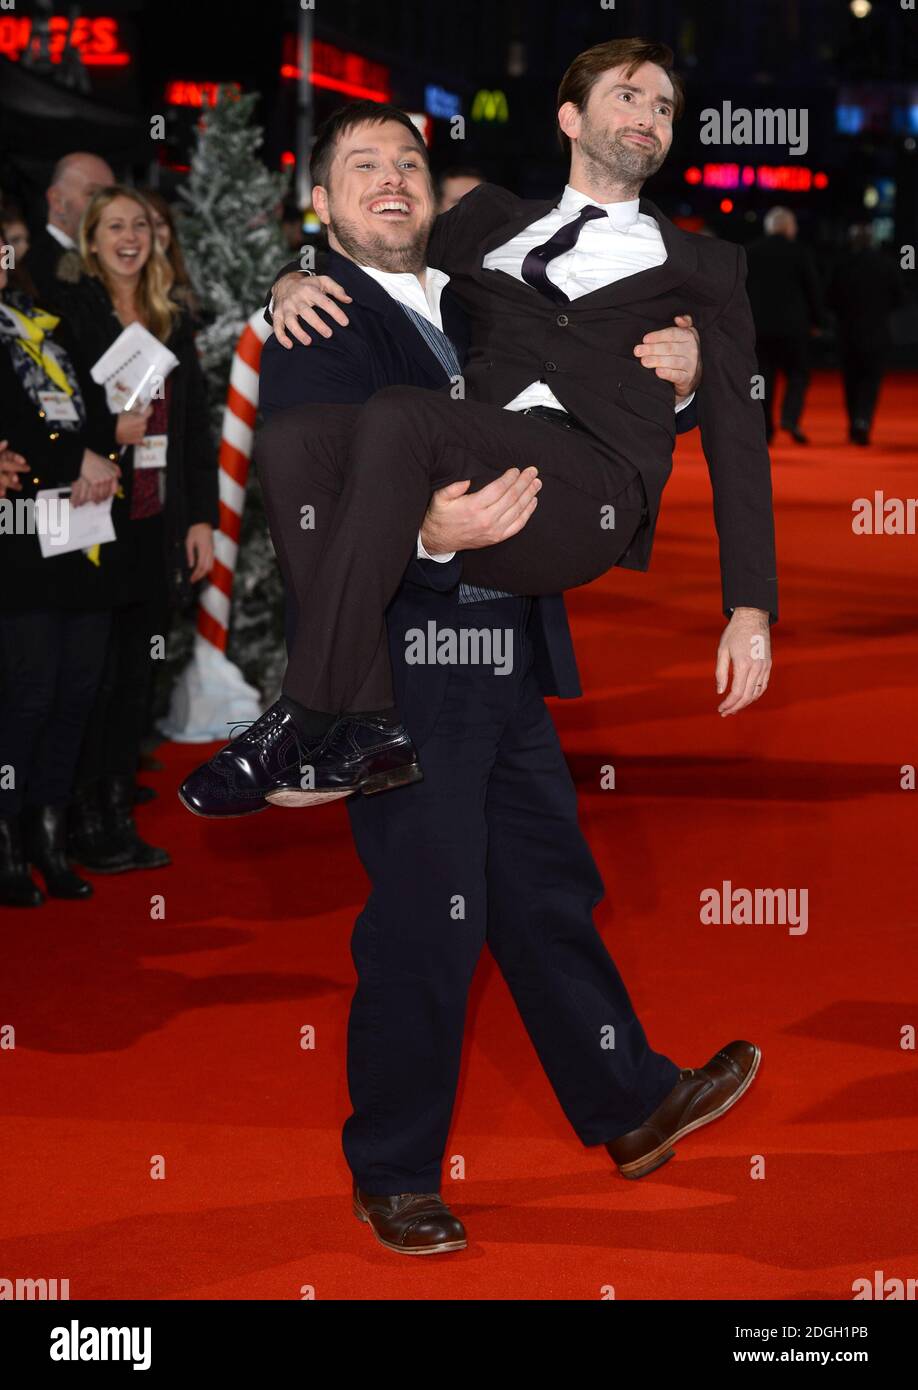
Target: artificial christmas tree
233, 245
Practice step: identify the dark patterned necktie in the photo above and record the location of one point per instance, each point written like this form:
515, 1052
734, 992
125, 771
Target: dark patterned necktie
534, 270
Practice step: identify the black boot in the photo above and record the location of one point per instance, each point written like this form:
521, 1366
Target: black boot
44, 830
17, 888
117, 800
92, 843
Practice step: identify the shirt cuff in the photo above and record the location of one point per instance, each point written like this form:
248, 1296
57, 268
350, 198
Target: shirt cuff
299, 272
440, 559
682, 404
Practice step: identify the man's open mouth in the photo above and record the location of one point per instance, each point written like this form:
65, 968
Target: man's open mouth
390, 207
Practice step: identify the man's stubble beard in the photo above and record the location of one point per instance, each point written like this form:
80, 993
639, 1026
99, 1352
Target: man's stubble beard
377, 252
609, 162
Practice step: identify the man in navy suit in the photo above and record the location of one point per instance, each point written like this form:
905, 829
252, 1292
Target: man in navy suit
487, 846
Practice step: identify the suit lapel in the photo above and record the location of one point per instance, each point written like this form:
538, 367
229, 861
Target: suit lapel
371, 295
529, 212
501, 280
403, 330
455, 323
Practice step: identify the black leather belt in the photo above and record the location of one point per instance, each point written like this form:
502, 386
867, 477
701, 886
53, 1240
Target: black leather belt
557, 417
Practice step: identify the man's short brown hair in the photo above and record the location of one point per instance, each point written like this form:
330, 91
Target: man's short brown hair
346, 119
587, 68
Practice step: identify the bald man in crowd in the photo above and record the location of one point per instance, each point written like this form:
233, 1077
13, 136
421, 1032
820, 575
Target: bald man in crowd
786, 301
75, 179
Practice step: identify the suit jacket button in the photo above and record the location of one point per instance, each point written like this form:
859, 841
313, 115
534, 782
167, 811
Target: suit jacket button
550, 367
563, 320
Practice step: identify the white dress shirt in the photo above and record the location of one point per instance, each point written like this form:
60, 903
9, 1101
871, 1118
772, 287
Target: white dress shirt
622, 243
60, 237
407, 289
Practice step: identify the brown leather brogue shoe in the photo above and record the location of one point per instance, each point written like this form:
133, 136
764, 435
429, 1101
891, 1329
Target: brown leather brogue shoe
699, 1096
413, 1223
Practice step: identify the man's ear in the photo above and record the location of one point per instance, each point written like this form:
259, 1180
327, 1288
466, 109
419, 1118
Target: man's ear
569, 119
320, 203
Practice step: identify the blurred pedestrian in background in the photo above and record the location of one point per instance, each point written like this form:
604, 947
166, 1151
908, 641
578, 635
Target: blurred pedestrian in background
291, 220
786, 301
864, 289
454, 183
167, 239
164, 523
75, 179
14, 230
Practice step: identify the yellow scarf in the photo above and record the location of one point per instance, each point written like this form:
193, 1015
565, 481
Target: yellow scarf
32, 332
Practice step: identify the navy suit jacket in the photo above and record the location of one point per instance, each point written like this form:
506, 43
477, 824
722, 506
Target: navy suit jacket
381, 347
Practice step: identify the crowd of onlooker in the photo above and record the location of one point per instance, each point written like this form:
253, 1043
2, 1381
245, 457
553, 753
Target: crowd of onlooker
790, 299
80, 630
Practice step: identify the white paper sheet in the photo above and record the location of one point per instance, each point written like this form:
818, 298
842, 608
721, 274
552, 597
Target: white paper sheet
62, 528
132, 367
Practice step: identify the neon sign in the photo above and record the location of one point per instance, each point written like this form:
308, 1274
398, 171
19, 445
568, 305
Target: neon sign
789, 177
96, 38
337, 70
439, 102
490, 106
180, 93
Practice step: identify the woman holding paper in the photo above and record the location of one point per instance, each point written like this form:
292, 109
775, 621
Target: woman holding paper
57, 440
163, 523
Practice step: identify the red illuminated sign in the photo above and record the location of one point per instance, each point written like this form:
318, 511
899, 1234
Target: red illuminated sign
96, 38
784, 176
338, 70
180, 93
789, 177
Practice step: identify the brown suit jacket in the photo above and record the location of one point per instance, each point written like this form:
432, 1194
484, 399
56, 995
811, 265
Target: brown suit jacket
583, 350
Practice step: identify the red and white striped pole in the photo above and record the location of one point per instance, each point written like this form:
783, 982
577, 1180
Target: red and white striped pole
211, 694
234, 460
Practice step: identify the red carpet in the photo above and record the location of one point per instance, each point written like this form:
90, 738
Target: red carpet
140, 1036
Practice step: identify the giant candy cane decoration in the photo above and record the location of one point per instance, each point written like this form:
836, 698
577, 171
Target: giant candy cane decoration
235, 457
211, 694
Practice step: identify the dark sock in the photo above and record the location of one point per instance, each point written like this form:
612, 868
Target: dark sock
388, 716
311, 723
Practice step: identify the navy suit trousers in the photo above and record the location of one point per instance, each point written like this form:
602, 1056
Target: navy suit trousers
486, 849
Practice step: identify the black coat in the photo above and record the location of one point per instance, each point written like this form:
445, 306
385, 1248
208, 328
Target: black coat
54, 456
381, 347
784, 289
41, 264
191, 464
864, 289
